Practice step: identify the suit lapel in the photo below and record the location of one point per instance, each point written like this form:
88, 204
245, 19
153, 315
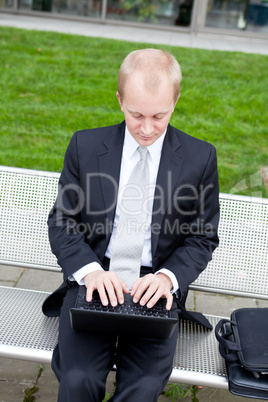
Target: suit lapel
109, 169
168, 174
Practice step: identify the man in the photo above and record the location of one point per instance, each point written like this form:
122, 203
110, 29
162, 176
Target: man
177, 238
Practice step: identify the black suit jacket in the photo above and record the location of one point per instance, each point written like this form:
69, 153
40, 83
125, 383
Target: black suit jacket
185, 210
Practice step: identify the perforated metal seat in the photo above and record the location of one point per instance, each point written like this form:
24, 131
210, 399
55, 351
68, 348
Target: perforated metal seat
240, 264
27, 334
26, 196
238, 267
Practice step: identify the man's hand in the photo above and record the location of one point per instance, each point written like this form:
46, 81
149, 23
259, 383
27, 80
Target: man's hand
150, 288
106, 283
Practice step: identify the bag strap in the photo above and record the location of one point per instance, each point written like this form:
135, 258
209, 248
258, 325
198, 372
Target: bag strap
228, 349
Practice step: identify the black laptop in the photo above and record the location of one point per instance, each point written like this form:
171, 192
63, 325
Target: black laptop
129, 318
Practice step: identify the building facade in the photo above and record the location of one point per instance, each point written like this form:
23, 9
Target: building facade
245, 18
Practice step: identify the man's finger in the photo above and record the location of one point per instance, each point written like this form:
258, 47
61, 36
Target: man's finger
102, 293
135, 286
169, 302
111, 292
89, 294
120, 292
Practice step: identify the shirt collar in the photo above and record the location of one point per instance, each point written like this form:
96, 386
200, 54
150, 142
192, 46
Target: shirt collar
131, 145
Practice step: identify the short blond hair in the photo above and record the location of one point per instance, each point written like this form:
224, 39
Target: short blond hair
152, 62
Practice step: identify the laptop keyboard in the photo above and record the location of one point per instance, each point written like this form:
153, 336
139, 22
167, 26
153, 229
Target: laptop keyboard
128, 307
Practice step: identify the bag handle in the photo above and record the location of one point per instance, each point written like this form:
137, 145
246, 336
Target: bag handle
225, 345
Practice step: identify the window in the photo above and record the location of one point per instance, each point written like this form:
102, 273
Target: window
162, 12
251, 15
90, 8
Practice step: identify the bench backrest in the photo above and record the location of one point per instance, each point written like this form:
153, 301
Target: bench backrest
239, 265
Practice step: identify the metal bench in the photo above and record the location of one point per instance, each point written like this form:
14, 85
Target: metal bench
239, 267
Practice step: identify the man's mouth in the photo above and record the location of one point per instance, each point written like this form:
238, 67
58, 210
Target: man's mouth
144, 137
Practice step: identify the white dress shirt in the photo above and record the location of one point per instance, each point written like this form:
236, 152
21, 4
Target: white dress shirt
130, 158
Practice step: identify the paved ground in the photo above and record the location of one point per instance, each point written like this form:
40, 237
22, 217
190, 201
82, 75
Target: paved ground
18, 376
150, 35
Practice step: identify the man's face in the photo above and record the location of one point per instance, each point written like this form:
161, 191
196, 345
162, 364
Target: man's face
147, 112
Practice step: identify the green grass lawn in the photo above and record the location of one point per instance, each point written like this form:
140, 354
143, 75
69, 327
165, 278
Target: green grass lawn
54, 84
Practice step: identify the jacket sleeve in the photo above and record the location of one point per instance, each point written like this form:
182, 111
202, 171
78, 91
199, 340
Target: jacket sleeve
65, 235
200, 234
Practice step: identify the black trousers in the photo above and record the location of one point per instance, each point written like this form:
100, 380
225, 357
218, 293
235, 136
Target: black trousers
82, 362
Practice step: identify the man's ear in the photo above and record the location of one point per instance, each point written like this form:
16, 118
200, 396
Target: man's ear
119, 99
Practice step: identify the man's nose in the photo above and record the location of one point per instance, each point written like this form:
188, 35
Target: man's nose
147, 127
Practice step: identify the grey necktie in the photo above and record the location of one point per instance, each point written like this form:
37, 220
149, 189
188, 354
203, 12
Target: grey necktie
129, 237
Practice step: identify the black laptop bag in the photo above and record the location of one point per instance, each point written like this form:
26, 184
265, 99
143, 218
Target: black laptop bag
243, 343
